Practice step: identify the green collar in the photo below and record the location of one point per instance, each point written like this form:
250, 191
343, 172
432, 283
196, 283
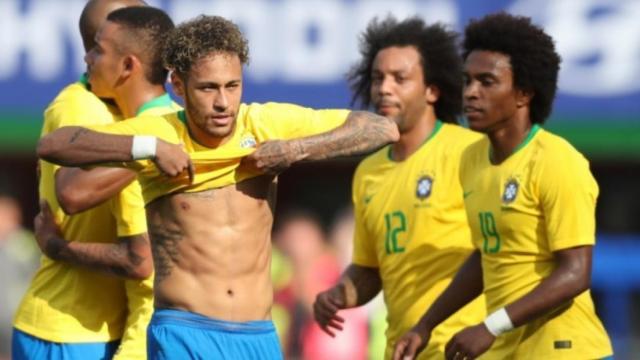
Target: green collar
84, 80
435, 130
534, 130
160, 101
182, 116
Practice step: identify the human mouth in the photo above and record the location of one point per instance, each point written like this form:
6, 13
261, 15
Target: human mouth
386, 108
472, 111
221, 119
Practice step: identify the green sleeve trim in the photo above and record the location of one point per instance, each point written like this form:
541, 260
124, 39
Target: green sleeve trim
160, 101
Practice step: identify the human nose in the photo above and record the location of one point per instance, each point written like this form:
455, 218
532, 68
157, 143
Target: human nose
221, 101
470, 90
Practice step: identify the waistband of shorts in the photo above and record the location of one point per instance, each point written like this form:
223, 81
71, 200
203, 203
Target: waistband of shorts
190, 319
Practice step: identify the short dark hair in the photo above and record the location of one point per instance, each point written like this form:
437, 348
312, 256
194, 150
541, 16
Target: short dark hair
202, 36
148, 28
441, 63
534, 60
90, 20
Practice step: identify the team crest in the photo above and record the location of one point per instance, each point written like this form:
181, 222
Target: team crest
247, 141
423, 189
510, 191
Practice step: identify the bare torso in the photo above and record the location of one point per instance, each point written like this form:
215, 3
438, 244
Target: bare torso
212, 250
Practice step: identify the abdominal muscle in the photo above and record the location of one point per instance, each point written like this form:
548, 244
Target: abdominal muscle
212, 250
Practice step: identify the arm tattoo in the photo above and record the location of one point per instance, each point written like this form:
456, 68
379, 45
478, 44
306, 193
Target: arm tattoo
164, 246
363, 132
77, 134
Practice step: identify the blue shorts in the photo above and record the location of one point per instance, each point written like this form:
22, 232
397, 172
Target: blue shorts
176, 334
27, 347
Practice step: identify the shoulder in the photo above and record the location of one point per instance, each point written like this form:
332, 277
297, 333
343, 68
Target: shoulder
556, 152
457, 138
372, 163
75, 105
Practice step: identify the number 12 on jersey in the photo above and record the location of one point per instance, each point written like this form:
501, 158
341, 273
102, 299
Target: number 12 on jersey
396, 223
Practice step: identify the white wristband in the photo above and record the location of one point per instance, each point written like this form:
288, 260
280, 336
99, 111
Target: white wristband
498, 322
143, 147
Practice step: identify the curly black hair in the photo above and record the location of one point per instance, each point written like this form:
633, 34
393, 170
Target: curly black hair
441, 62
202, 36
146, 29
534, 60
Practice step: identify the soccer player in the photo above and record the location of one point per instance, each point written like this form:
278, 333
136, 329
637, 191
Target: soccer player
411, 231
210, 226
72, 309
530, 200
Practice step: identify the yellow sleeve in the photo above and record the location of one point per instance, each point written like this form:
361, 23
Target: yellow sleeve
140, 305
364, 249
128, 209
272, 121
568, 194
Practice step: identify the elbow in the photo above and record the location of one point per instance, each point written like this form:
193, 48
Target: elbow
45, 148
142, 271
70, 201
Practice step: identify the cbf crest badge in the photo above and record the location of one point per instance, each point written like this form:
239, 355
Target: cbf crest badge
248, 141
424, 187
510, 191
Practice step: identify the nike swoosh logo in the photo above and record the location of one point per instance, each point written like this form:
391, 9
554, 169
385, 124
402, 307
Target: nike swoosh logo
466, 193
367, 199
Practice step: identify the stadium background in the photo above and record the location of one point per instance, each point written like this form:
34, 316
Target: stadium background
300, 51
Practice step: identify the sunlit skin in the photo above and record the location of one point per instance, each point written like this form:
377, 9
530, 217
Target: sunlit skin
212, 91
398, 91
492, 104
104, 61
212, 249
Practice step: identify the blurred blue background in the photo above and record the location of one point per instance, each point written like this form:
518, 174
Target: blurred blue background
300, 51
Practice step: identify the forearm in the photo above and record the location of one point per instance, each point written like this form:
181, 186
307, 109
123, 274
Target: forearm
78, 146
78, 189
362, 133
465, 286
568, 280
127, 258
360, 284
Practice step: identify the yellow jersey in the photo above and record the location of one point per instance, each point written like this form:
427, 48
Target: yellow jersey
219, 167
411, 225
67, 303
541, 199
133, 344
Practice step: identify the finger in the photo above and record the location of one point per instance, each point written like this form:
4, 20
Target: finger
335, 325
44, 205
328, 331
403, 350
191, 170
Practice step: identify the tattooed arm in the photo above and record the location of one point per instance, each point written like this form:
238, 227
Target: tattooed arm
129, 257
362, 132
78, 146
358, 285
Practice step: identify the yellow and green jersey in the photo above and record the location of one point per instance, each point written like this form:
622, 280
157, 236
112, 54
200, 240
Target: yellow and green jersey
67, 303
133, 344
411, 225
541, 199
215, 168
